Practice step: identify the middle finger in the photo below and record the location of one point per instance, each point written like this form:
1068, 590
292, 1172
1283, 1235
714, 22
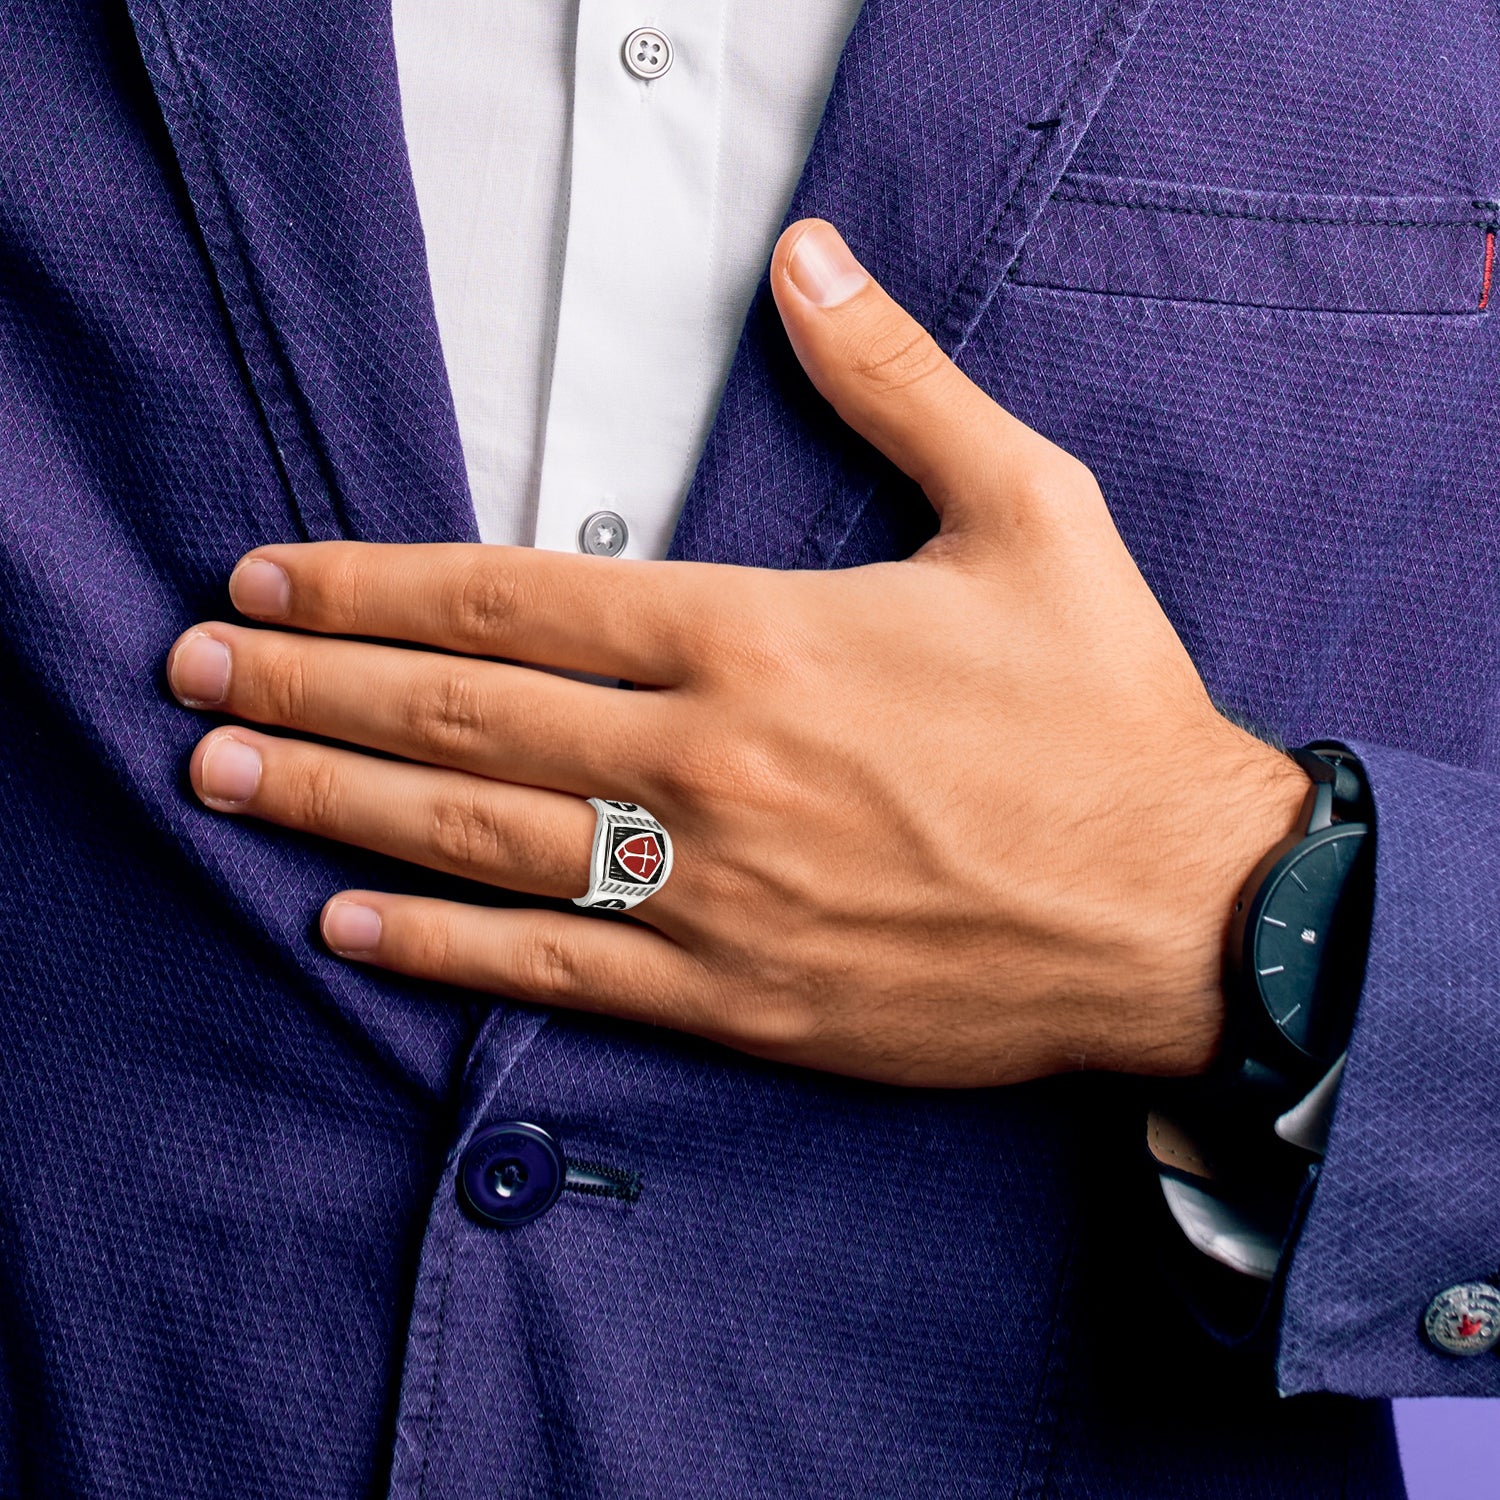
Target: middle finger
506, 722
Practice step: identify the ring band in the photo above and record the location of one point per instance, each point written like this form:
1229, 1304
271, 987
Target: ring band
631, 860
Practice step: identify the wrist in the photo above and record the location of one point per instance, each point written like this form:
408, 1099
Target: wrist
1253, 800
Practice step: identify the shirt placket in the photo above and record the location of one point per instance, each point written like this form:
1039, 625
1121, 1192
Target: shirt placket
634, 321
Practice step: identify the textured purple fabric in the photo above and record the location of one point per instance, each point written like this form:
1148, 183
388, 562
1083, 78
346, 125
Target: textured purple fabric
233, 1260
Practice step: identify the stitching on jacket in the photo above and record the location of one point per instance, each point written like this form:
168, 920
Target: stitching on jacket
291, 399
1015, 279
437, 1362
437, 1353
1063, 195
164, 44
1114, 29
1149, 199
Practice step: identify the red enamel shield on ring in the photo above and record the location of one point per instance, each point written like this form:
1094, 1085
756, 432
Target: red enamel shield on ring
640, 856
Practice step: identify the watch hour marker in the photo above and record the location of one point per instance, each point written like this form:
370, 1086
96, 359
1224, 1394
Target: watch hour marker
1277, 970
1300, 881
1292, 1012
1273, 921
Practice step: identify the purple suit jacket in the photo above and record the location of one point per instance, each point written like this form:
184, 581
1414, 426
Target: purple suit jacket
1238, 259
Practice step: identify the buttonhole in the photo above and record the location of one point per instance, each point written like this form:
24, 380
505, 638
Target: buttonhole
598, 1181
1044, 124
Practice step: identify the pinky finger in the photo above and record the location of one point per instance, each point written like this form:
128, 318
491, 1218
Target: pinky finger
547, 957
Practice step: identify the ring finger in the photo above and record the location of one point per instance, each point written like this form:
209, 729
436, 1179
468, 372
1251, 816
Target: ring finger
516, 837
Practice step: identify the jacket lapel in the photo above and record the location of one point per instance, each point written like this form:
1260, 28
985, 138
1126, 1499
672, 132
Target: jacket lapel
286, 122
948, 126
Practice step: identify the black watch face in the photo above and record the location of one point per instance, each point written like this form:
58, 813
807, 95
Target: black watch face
1311, 928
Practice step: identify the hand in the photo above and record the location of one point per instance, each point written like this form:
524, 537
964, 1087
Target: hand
965, 819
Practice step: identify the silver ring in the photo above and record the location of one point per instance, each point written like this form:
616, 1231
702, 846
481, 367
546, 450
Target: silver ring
631, 860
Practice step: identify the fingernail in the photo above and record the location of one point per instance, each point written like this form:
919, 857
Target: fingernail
351, 929
823, 268
260, 589
230, 771
200, 670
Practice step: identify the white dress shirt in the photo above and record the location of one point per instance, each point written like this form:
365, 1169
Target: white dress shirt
594, 237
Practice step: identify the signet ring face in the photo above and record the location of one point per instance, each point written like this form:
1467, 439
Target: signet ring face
631, 860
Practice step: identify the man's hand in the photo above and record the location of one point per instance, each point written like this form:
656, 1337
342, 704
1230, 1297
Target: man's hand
965, 819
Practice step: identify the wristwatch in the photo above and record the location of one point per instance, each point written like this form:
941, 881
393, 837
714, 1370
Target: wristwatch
1300, 936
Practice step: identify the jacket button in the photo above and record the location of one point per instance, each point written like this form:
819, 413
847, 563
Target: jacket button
510, 1174
1464, 1319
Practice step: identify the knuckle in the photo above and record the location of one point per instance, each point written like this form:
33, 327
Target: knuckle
484, 604
444, 717
317, 796
897, 357
340, 590
545, 964
428, 943
284, 687
465, 831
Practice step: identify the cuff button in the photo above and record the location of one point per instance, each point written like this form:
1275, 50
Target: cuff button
1464, 1319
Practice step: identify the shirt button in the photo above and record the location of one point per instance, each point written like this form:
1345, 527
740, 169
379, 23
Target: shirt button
1464, 1319
510, 1174
604, 534
647, 52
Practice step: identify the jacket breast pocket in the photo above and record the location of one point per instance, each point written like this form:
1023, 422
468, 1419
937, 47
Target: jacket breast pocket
1300, 251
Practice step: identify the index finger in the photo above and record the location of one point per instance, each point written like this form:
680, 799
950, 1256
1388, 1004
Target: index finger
643, 621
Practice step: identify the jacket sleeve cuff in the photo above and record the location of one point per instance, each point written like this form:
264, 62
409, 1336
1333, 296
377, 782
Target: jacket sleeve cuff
1405, 1201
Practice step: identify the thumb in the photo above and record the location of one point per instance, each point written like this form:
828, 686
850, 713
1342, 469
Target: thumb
886, 377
